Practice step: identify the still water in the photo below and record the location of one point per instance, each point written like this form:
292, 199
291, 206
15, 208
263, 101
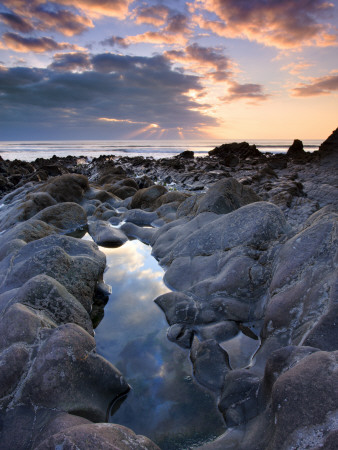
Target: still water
165, 403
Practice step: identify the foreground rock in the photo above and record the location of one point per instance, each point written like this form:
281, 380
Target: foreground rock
249, 245
52, 380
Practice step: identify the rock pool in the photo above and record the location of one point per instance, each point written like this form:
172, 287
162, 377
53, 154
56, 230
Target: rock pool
165, 403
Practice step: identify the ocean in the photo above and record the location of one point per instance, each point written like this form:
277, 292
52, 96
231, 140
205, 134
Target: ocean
30, 150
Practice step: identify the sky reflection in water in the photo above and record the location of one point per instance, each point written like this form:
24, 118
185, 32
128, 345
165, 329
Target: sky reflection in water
165, 403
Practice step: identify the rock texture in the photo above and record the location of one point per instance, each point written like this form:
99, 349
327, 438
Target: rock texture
249, 246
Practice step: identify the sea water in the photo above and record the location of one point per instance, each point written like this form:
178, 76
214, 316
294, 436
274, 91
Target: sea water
30, 150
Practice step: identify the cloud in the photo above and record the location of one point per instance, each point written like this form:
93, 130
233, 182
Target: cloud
51, 15
95, 8
204, 60
152, 15
16, 22
116, 41
126, 88
282, 24
319, 86
175, 29
70, 61
38, 45
297, 67
62, 20
157, 38
253, 92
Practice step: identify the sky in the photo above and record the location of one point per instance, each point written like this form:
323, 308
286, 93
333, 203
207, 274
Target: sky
124, 69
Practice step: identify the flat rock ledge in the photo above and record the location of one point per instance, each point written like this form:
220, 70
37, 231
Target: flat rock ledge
249, 246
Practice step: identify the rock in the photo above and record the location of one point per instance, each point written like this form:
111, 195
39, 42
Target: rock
75, 264
139, 217
67, 374
133, 231
278, 161
220, 332
210, 363
169, 235
303, 399
65, 216
279, 362
177, 307
12, 363
28, 231
98, 436
105, 235
9, 247
45, 293
181, 335
187, 154
145, 198
303, 285
101, 195
53, 423
253, 225
328, 150
230, 160
172, 196
242, 150
296, 150
144, 182
125, 192
20, 324
66, 188
226, 196
239, 398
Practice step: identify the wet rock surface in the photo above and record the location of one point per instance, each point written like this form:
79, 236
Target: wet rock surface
249, 246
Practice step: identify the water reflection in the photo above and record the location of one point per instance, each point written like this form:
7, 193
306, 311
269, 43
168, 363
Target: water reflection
165, 403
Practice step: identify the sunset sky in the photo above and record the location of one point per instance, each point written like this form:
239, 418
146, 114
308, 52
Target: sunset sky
123, 69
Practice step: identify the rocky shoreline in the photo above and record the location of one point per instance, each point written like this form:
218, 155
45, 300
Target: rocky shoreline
249, 245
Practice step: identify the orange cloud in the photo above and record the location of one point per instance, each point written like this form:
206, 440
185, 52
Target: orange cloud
96, 8
283, 24
156, 37
296, 68
38, 45
152, 15
318, 86
204, 60
251, 92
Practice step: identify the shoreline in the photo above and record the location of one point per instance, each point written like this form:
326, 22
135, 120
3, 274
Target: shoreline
247, 243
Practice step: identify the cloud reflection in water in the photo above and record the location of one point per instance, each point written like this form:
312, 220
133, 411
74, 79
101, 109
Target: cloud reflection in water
165, 403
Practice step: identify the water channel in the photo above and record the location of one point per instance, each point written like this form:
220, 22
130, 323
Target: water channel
165, 403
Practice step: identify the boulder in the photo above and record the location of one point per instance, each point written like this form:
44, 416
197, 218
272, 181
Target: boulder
242, 150
210, 363
98, 436
239, 397
21, 324
304, 399
105, 235
66, 188
75, 264
146, 198
67, 216
139, 217
296, 150
224, 196
45, 293
68, 374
